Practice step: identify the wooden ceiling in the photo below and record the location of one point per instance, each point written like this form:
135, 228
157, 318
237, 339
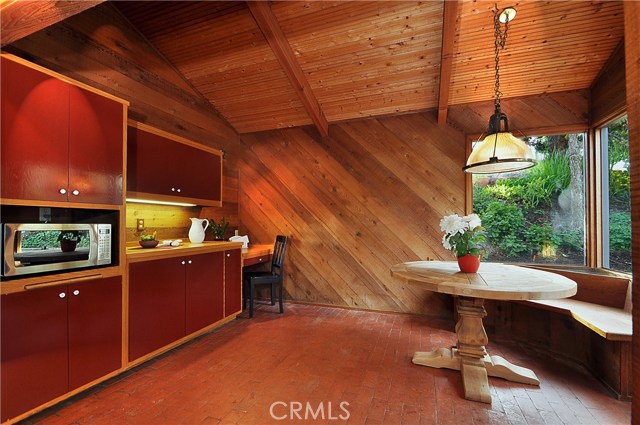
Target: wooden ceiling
268, 65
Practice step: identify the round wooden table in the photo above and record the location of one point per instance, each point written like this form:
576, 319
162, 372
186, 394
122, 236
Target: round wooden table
492, 281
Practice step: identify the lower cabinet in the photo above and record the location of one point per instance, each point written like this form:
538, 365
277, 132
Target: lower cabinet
171, 298
233, 282
57, 339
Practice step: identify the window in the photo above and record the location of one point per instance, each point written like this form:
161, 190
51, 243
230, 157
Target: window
616, 205
536, 215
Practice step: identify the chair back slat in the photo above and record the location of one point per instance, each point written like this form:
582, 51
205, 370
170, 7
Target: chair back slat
277, 259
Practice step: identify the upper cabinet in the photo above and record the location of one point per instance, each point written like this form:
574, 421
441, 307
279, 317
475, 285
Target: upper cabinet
61, 141
165, 167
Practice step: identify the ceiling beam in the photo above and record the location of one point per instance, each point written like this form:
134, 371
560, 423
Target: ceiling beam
23, 18
450, 14
266, 20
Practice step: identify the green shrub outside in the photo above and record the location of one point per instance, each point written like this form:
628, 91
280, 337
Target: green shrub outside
620, 232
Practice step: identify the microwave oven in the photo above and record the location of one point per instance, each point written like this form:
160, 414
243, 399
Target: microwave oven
36, 248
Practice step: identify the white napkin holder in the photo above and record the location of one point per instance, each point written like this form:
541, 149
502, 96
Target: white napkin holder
244, 239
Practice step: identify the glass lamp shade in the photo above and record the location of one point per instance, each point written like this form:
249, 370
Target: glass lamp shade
499, 153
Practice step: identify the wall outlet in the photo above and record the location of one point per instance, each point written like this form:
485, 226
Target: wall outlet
140, 224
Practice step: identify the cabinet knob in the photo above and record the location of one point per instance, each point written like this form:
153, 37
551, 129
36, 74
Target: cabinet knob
62, 191
179, 190
76, 292
62, 295
190, 261
184, 262
173, 189
75, 192
228, 255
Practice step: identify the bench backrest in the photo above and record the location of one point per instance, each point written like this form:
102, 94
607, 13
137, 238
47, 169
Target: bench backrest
597, 287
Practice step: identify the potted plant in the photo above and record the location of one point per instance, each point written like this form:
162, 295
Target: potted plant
463, 235
69, 240
148, 241
218, 229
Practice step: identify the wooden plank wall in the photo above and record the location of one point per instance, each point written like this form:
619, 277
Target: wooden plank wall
368, 196
99, 47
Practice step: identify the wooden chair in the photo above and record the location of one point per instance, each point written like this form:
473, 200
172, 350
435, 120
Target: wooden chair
273, 278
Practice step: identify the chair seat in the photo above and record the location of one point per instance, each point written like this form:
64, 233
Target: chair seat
257, 278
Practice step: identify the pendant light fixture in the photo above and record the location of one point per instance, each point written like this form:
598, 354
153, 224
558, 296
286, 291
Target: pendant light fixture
500, 151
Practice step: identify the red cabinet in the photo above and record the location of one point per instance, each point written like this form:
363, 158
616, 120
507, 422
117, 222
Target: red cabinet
156, 305
59, 142
56, 339
232, 282
204, 287
171, 298
164, 167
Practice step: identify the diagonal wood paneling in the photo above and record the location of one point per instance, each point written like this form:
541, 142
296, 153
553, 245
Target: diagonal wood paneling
368, 196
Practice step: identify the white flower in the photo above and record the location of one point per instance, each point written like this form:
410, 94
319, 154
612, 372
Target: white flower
452, 224
473, 220
445, 242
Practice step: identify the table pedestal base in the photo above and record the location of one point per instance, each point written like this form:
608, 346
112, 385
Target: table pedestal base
474, 374
470, 357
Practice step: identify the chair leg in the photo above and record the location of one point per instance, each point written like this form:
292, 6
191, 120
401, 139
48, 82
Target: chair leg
281, 304
272, 300
251, 294
244, 295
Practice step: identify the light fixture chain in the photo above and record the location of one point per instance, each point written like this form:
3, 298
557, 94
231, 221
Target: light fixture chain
499, 43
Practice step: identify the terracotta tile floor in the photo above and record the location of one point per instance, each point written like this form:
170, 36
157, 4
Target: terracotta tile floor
319, 357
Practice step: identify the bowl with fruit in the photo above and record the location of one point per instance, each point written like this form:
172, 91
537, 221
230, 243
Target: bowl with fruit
148, 241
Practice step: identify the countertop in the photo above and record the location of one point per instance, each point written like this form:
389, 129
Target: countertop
136, 253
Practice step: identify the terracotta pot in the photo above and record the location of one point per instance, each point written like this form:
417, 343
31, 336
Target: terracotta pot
68, 246
468, 263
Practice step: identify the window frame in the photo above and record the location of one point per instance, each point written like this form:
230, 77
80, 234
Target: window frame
594, 201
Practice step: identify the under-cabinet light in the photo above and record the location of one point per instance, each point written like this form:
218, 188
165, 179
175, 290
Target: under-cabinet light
152, 201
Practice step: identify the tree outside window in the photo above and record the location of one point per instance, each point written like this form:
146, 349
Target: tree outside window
616, 206
536, 215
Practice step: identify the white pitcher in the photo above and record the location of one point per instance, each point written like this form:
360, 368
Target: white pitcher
196, 232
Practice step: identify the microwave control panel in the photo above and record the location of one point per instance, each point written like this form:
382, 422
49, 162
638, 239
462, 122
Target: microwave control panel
104, 243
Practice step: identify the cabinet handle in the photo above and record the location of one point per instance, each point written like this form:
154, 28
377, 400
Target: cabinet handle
75, 192
62, 191
184, 262
76, 292
190, 261
62, 295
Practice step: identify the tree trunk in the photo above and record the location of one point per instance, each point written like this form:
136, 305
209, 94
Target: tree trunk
577, 182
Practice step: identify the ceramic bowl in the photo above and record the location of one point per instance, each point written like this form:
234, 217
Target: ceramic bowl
148, 244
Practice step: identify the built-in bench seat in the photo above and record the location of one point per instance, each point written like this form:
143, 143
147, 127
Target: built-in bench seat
609, 322
593, 328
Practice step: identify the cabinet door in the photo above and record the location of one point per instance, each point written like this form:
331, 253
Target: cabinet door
204, 290
95, 330
35, 126
156, 305
232, 282
201, 179
151, 163
96, 126
34, 349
